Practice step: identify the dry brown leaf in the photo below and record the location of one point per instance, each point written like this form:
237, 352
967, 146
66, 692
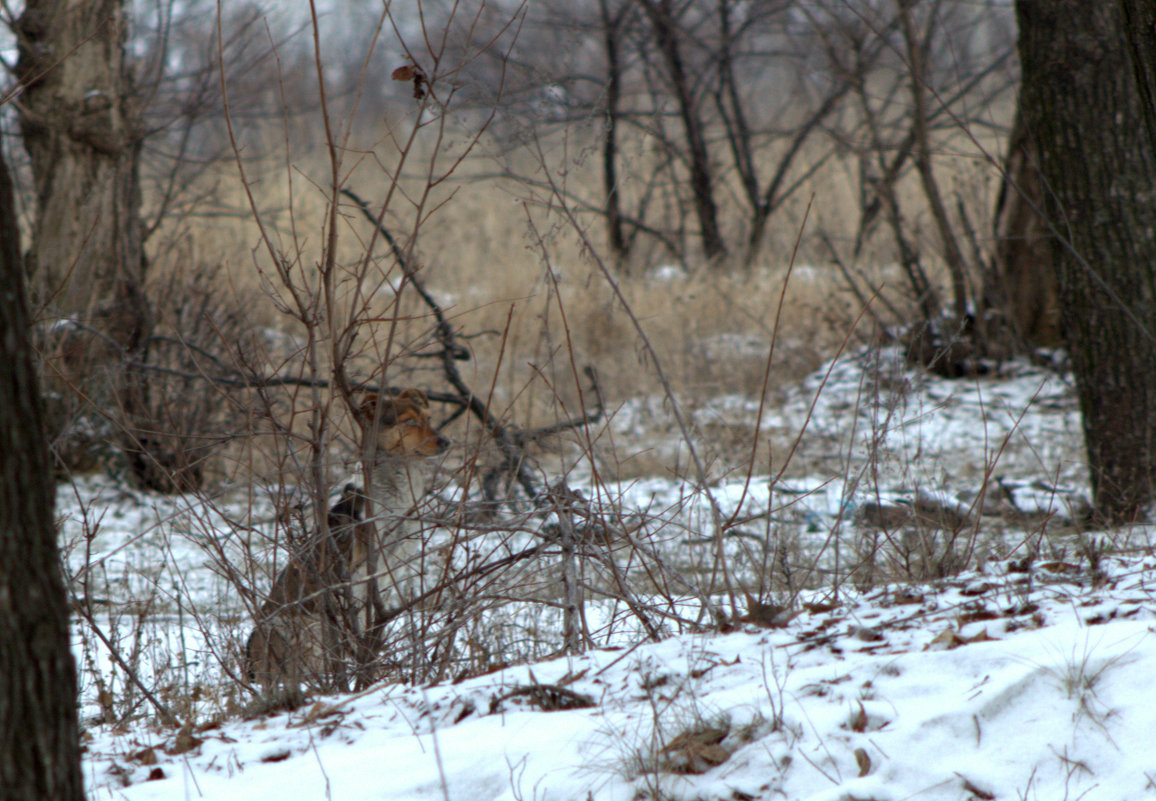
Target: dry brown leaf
279, 755
858, 721
146, 756
319, 711
714, 755
696, 750
867, 633
906, 596
768, 616
947, 640
944, 641
863, 761
184, 742
693, 738
408, 73
976, 615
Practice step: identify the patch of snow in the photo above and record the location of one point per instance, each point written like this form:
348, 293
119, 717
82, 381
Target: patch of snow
1003, 685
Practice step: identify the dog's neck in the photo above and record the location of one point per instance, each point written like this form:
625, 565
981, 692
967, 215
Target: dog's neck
397, 484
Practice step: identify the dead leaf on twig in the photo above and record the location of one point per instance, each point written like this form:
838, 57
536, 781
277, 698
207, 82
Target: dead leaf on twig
410, 72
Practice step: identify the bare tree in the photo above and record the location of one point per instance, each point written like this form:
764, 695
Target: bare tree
913, 105
86, 110
707, 111
80, 122
669, 37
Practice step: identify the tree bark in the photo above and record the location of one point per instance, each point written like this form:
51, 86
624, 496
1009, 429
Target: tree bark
81, 128
1082, 107
1140, 32
79, 116
39, 734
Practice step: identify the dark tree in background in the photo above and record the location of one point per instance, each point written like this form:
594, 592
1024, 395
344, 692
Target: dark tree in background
39, 749
668, 36
1082, 106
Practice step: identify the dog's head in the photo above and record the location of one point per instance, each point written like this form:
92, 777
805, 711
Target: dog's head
402, 425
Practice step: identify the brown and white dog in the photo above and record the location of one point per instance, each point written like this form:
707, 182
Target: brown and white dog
329, 595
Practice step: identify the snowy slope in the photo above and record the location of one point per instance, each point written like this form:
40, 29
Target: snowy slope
1012, 681
1006, 685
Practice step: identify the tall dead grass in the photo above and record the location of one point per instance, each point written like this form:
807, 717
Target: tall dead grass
502, 262
487, 249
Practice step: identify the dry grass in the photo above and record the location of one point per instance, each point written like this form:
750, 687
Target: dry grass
511, 272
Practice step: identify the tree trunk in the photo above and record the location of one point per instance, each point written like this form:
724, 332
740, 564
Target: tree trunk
82, 131
80, 123
1082, 108
39, 735
1140, 32
1023, 287
952, 254
611, 24
666, 34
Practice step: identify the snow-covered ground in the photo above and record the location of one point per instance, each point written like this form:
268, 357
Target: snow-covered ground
1002, 685
1016, 678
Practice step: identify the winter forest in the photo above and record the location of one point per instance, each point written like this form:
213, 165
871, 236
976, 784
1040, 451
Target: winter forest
562, 400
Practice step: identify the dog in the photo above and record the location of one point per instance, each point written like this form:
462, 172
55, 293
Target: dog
326, 604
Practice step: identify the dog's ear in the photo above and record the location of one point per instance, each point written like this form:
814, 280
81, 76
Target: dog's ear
374, 409
415, 397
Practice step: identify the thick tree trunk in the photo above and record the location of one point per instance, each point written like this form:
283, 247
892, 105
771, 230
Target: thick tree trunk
1082, 108
82, 132
1140, 32
39, 745
80, 123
